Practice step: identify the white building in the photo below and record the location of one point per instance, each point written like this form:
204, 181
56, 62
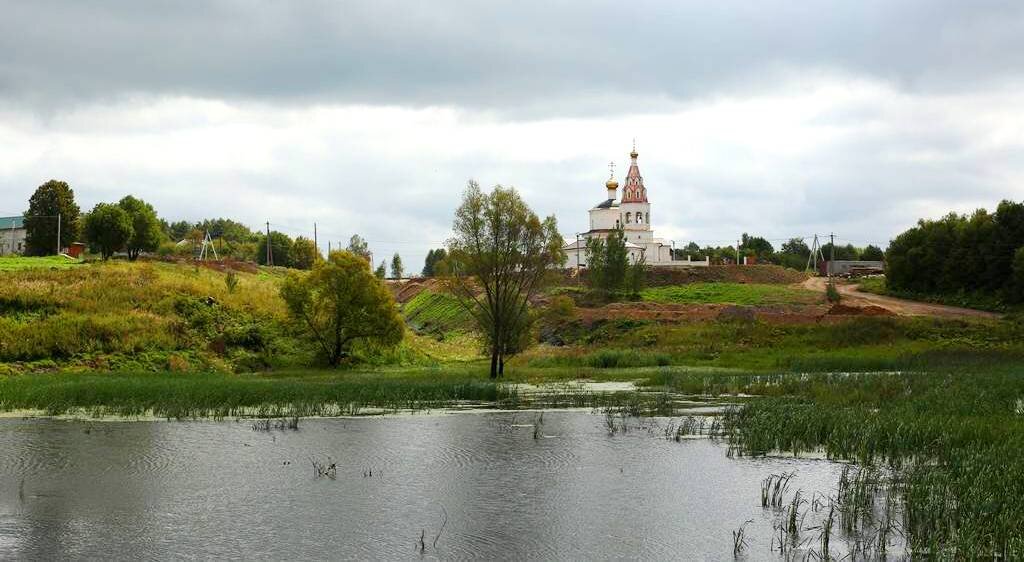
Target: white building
633, 214
12, 235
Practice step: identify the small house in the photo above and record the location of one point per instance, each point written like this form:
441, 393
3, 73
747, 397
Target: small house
12, 236
851, 268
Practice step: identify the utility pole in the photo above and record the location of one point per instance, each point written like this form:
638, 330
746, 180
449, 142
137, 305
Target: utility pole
832, 254
578, 280
812, 259
58, 234
270, 253
737, 252
315, 244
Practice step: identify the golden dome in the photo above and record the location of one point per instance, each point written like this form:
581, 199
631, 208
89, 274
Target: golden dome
611, 183
633, 154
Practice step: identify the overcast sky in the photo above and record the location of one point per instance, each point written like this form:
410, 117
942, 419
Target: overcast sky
767, 117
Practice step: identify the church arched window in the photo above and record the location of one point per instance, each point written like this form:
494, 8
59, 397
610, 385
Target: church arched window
629, 218
639, 218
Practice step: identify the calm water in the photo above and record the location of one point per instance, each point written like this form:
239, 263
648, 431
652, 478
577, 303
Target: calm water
158, 490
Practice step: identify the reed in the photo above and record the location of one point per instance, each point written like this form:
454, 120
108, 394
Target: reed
326, 468
739, 539
773, 489
940, 454
219, 395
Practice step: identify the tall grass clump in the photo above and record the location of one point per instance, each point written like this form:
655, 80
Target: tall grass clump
605, 359
941, 451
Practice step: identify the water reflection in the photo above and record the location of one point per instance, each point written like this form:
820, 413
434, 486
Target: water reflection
219, 490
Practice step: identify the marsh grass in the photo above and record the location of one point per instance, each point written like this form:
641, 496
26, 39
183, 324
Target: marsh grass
940, 453
291, 423
605, 359
218, 395
773, 489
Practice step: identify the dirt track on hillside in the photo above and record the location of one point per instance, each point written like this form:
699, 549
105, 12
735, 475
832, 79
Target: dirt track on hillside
854, 298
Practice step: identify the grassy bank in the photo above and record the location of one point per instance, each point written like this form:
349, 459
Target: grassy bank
186, 395
731, 293
862, 343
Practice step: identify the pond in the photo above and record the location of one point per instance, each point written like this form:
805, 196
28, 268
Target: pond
219, 489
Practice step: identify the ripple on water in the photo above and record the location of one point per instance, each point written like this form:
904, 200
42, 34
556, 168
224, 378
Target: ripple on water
219, 490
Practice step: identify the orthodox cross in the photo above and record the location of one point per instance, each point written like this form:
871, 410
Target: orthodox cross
611, 168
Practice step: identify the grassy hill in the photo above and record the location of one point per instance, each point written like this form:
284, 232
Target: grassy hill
143, 315
155, 316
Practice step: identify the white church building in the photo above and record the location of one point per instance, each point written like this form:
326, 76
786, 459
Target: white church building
633, 214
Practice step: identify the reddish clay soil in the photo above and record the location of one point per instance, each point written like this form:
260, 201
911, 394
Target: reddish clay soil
407, 289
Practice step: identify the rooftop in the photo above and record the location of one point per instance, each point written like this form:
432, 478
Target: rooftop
12, 222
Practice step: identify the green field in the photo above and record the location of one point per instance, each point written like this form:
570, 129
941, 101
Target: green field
731, 293
19, 263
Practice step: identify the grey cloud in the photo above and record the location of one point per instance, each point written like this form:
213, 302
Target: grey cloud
530, 56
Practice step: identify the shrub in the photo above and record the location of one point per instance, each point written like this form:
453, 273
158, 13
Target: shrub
832, 294
231, 281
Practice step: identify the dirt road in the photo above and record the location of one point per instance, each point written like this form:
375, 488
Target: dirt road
853, 297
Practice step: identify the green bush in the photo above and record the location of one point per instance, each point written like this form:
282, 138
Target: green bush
832, 294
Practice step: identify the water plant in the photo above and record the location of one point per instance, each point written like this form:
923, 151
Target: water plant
773, 489
444, 523
290, 422
322, 468
739, 539
939, 455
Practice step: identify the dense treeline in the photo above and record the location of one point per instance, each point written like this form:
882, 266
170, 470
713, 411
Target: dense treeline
980, 253
131, 227
793, 253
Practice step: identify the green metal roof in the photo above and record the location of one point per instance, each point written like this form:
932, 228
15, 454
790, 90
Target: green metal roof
12, 222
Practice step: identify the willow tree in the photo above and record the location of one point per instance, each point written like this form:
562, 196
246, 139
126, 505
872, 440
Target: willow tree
500, 256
